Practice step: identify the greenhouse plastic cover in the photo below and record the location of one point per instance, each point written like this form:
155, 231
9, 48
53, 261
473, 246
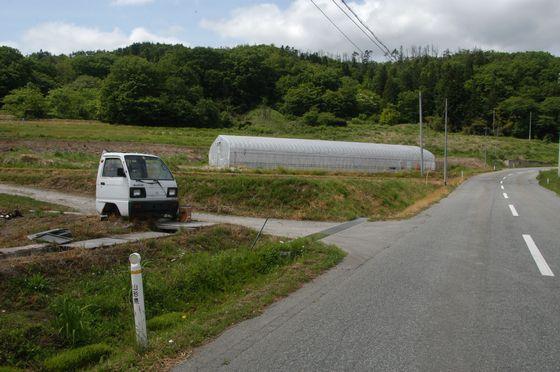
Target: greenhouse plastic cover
266, 152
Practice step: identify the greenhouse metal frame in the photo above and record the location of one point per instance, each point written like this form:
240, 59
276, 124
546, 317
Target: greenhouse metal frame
266, 152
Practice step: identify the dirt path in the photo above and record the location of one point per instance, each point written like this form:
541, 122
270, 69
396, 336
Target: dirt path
84, 204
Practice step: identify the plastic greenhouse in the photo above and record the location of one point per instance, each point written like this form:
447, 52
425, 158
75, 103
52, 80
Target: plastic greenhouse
265, 152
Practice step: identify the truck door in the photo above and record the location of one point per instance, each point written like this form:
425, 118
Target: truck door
112, 184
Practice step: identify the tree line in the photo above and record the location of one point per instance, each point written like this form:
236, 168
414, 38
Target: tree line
174, 85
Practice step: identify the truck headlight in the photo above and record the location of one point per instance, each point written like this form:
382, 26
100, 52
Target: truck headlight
172, 192
137, 192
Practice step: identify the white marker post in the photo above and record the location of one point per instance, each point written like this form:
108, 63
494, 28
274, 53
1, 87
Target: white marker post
138, 300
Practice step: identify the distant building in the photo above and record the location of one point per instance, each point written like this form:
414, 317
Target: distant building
265, 152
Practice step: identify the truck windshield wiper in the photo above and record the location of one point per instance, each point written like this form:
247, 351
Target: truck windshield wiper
143, 180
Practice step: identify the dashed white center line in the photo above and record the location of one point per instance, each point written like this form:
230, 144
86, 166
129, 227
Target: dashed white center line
506, 195
537, 256
502, 181
513, 210
502, 187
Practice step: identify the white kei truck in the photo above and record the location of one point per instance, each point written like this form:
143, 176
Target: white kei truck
135, 185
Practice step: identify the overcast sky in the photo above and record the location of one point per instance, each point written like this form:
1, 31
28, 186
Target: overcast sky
65, 26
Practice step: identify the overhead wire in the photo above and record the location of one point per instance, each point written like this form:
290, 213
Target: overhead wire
386, 49
338, 28
360, 28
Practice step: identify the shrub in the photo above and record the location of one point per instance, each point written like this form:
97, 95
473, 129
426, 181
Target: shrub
27, 103
389, 116
77, 358
328, 119
311, 117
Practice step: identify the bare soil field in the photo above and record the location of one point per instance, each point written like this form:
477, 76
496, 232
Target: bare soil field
194, 154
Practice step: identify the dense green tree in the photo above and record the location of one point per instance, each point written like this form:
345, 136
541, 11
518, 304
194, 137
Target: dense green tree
158, 84
131, 93
68, 102
516, 111
368, 102
97, 64
26, 103
407, 105
15, 71
300, 99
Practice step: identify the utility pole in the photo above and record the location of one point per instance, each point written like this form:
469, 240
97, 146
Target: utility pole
485, 143
421, 134
445, 149
530, 123
494, 122
496, 135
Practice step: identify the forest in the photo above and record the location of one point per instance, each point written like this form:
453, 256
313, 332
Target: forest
173, 85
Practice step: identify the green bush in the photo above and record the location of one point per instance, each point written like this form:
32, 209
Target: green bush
311, 117
77, 358
328, 119
26, 103
389, 116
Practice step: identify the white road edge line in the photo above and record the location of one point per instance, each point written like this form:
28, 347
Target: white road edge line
502, 187
506, 195
537, 256
513, 210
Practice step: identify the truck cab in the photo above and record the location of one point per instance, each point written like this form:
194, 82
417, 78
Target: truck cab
135, 185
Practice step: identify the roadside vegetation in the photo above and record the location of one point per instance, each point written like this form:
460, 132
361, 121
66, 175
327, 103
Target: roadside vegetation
277, 193
71, 310
550, 180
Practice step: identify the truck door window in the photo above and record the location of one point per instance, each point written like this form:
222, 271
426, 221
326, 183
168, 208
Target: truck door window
111, 166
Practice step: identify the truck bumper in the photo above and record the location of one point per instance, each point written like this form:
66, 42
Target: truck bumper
153, 208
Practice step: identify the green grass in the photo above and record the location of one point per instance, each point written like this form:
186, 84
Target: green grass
195, 284
550, 180
308, 198
78, 358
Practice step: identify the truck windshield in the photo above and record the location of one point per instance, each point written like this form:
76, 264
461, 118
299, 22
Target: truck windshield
147, 168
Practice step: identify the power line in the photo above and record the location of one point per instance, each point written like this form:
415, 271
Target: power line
360, 28
339, 30
387, 51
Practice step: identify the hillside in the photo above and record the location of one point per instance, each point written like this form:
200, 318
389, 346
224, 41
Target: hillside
173, 85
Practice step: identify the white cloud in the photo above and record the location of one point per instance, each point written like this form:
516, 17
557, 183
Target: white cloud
60, 37
499, 24
130, 2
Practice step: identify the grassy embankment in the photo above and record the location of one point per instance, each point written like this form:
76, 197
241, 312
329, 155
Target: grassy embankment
40, 216
550, 180
69, 310
311, 197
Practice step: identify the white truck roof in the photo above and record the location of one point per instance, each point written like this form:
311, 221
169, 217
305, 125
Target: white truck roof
121, 154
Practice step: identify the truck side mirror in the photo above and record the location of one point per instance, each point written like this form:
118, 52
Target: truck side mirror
120, 172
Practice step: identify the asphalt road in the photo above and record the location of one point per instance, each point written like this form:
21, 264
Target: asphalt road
456, 288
